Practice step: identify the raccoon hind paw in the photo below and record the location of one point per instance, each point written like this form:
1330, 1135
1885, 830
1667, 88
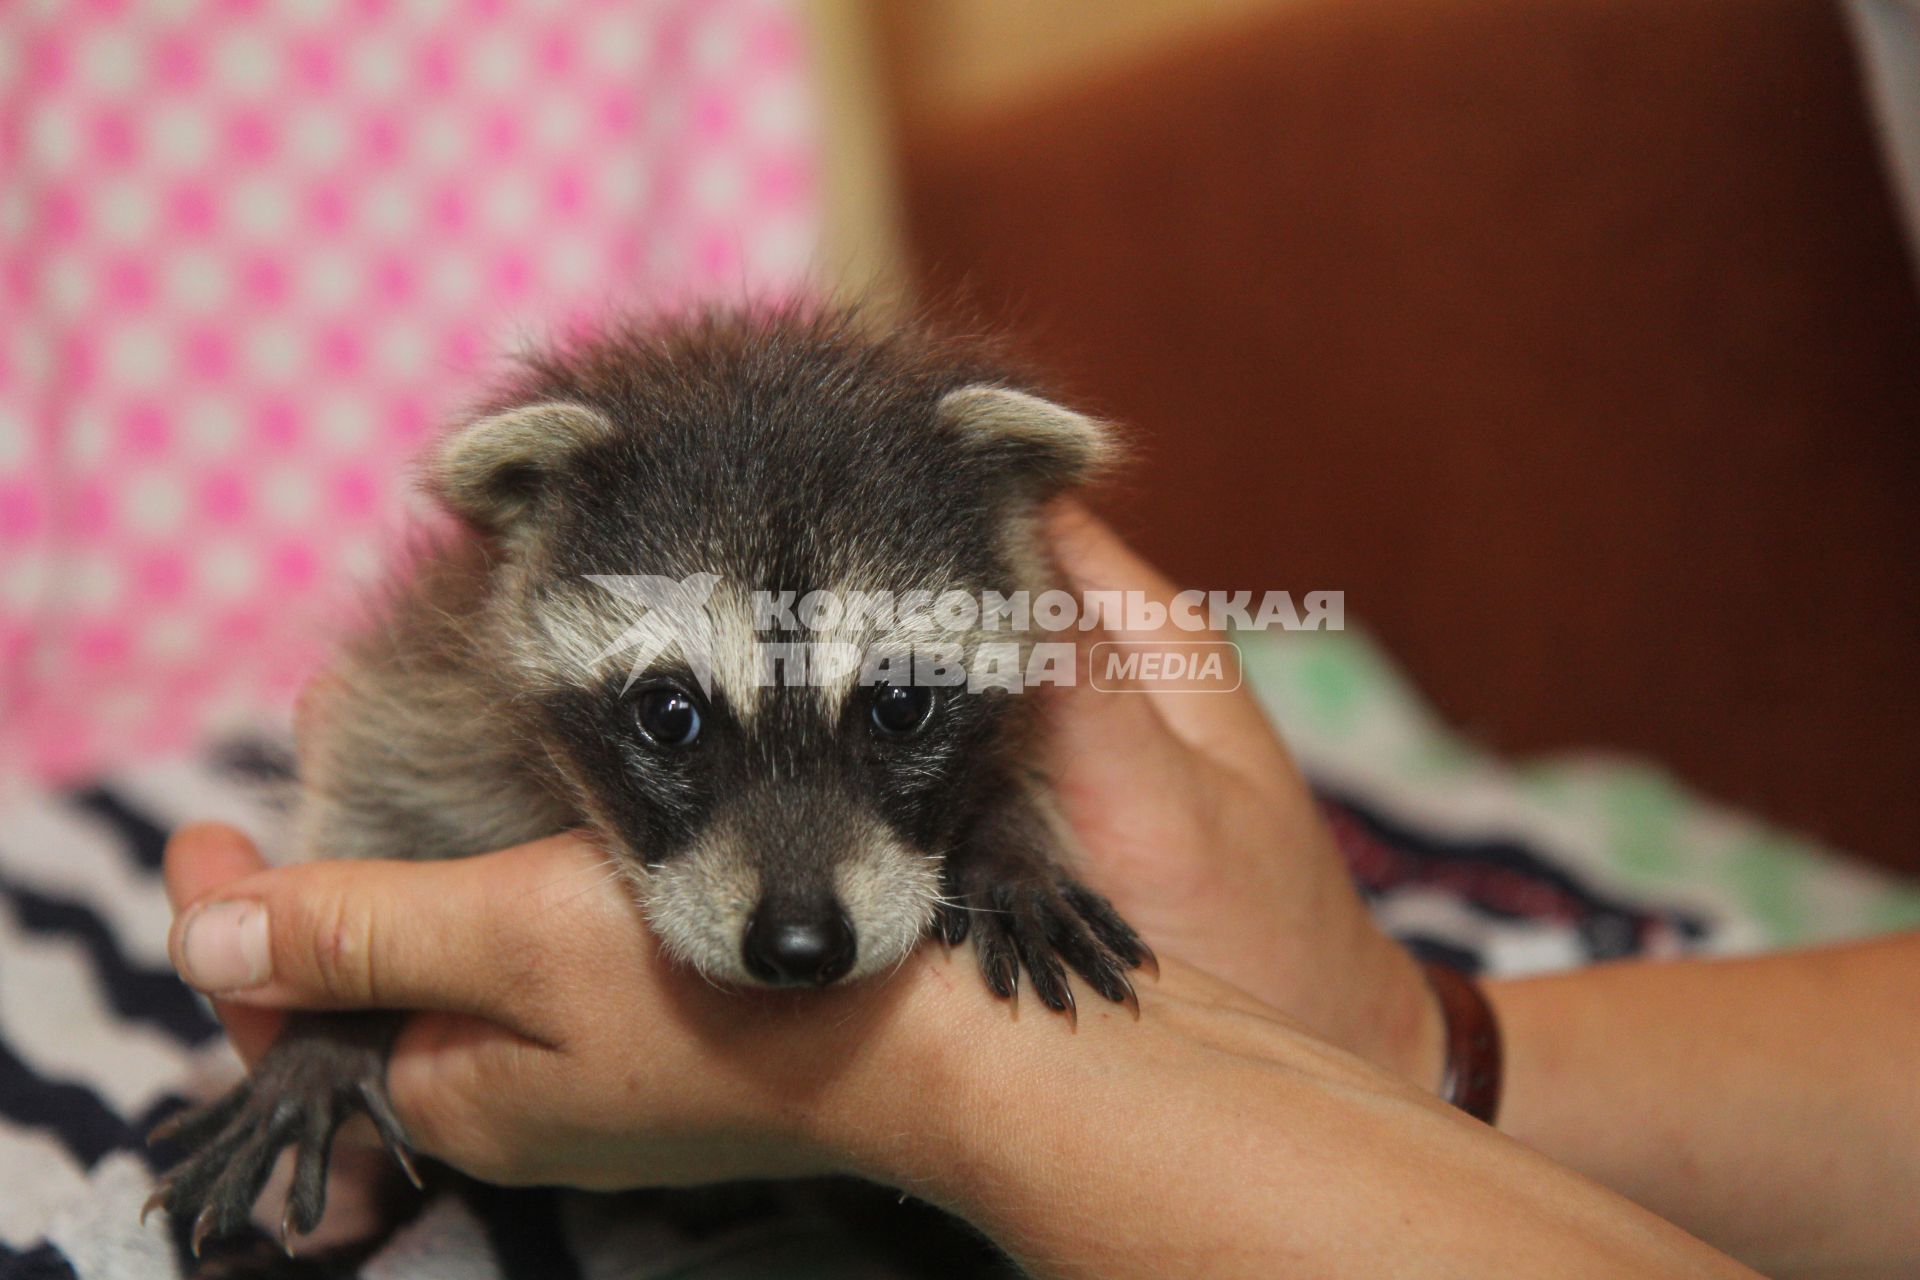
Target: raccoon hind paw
299, 1094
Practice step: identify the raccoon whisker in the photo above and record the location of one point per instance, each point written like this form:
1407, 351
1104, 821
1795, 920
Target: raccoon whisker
704, 978
603, 862
613, 874
899, 964
606, 868
979, 911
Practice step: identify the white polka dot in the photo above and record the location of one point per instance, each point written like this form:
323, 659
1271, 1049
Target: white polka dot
779, 111
261, 208
53, 139
509, 207
180, 137
32, 356
429, 14
137, 355
363, 561
404, 351
439, 139
210, 426
154, 503
377, 68
494, 65
343, 422
329, 279
573, 263
310, 11
420, 510
125, 211
23, 582
92, 582
196, 280
88, 439
623, 185
230, 572
244, 64
170, 636
108, 63
782, 252
717, 183
317, 137
715, 45
617, 41
557, 122
68, 283
287, 496
388, 209
449, 282
15, 212
273, 352
15, 439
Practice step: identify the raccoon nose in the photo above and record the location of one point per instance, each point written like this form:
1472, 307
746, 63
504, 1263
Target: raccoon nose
799, 948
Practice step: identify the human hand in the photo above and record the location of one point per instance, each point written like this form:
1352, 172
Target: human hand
554, 1043
1210, 1136
1198, 826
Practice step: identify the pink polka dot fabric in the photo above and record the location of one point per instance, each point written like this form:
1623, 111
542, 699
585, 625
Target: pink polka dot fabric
253, 251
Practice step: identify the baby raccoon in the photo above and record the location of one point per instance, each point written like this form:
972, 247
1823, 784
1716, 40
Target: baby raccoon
594, 653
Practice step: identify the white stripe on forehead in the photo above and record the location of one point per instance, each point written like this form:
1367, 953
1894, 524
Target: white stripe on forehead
619, 628
737, 665
609, 630
921, 631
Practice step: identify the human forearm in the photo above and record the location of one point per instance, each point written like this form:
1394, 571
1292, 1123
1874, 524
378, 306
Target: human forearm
1769, 1105
1209, 1138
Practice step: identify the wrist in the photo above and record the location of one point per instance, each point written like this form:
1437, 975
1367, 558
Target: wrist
1398, 1024
913, 1099
959, 1092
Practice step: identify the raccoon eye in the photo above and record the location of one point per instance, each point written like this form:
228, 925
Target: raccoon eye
900, 711
668, 717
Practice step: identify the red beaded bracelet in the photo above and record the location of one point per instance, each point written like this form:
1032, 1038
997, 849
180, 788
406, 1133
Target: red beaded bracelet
1471, 1078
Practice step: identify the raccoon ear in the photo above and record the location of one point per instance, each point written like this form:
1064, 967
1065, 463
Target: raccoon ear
1060, 447
490, 471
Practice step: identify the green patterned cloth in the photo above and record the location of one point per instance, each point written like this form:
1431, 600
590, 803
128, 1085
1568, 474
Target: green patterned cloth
1622, 824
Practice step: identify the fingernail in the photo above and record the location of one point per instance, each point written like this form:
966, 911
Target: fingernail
224, 947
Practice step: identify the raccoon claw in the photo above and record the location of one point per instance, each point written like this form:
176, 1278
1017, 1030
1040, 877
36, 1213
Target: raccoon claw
219, 1181
1048, 928
1113, 931
299, 1094
202, 1227
951, 923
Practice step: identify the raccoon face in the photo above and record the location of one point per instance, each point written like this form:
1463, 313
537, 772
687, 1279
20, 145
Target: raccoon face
779, 832
784, 838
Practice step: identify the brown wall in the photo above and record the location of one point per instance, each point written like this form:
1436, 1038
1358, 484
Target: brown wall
1574, 341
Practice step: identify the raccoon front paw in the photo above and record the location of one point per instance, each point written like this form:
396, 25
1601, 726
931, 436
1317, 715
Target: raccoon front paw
1036, 922
321, 1070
